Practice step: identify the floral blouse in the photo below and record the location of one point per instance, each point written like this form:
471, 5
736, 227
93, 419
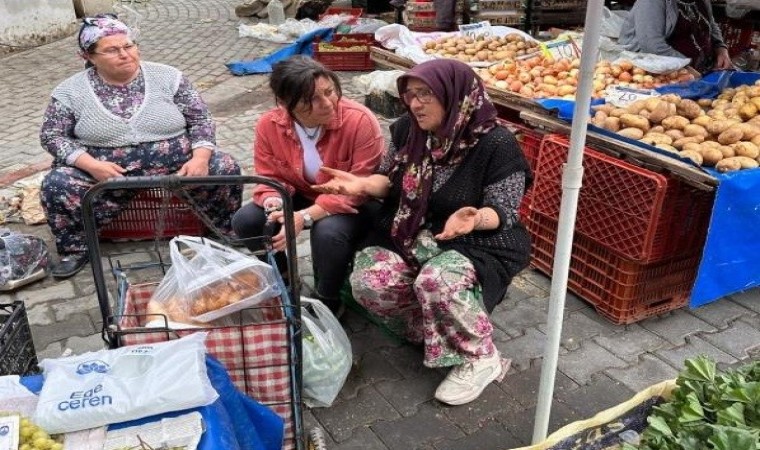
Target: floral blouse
57, 133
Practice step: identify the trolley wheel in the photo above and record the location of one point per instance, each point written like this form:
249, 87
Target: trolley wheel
316, 439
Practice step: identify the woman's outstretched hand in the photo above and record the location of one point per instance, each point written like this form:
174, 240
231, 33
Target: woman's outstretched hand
462, 222
342, 182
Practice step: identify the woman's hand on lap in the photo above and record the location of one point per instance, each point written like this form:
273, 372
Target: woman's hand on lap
198, 164
103, 170
278, 240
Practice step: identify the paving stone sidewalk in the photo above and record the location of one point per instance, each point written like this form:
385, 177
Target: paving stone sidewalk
387, 401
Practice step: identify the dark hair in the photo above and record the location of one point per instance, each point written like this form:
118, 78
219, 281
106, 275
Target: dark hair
293, 80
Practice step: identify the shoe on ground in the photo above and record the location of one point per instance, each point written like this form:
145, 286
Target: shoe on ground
466, 382
69, 265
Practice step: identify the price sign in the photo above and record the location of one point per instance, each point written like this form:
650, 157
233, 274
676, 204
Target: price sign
9, 432
476, 29
623, 96
560, 48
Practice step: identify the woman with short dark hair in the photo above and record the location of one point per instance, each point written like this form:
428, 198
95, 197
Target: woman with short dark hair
313, 126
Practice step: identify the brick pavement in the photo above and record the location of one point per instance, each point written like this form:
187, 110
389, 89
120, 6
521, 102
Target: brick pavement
387, 400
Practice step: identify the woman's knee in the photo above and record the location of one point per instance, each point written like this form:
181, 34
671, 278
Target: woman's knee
249, 221
223, 164
63, 183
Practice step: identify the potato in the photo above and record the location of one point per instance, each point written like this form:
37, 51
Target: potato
653, 103
657, 129
749, 130
632, 133
689, 109
675, 134
719, 126
702, 121
656, 138
747, 149
710, 156
712, 144
606, 108
660, 112
634, 121
692, 155
611, 123
694, 130
692, 146
727, 151
756, 140
679, 143
617, 112
667, 147
747, 111
599, 118
730, 136
675, 122
636, 107
705, 102
735, 163
671, 98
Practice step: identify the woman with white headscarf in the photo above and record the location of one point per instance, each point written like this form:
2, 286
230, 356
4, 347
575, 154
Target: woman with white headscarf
124, 117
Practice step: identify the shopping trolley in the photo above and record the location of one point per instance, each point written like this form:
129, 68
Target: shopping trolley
263, 356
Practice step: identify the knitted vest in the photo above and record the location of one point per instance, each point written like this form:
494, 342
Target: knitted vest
157, 119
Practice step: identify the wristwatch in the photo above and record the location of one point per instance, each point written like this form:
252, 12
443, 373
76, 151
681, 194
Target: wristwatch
307, 220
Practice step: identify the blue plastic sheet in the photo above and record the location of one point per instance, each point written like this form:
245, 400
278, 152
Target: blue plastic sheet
730, 262
264, 65
233, 422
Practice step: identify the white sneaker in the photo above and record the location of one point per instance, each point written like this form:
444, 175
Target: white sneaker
466, 382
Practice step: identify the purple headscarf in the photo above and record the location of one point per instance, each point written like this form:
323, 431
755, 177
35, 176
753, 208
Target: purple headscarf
469, 114
96, 28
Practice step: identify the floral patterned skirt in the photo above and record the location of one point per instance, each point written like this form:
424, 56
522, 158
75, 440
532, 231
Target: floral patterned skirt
440, 305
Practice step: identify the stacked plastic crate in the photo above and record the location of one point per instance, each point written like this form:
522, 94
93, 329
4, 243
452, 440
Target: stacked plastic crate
638, 234
544, 14
509, 13
420, 15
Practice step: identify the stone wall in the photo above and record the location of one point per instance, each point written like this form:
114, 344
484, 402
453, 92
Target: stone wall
25, 23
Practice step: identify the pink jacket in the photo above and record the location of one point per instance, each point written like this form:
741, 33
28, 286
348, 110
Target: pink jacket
352, 142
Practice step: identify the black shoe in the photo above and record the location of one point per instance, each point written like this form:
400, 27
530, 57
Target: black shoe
336, 306
69, 265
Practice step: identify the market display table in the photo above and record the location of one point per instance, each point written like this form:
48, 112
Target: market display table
233, 422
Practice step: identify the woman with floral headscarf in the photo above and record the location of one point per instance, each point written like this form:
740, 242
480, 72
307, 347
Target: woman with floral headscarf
447, 242
124, 117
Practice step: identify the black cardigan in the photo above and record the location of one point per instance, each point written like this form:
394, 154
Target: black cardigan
498, 255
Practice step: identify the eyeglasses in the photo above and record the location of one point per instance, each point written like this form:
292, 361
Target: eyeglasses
113, 52
424, 96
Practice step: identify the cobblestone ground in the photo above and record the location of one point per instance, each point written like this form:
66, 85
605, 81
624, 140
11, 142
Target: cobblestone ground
387, 401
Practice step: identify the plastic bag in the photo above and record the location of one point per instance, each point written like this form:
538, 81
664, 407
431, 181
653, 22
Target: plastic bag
208, 280
612, 22
378, 81
111, 386
23, 258
326, 353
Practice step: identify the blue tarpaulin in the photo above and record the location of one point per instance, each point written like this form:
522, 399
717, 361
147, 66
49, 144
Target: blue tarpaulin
233, 422
264, 65
731, 257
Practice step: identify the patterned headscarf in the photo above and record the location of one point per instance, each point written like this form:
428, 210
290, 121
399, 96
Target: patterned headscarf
469, 114
95, 28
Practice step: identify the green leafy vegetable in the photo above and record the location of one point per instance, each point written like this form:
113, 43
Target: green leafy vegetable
709, 410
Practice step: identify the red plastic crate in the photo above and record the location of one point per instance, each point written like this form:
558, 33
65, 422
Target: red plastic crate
355, 59
634, 212
140, 219
622, 290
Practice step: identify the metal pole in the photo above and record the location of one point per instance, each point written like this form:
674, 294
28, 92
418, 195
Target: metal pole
572, 176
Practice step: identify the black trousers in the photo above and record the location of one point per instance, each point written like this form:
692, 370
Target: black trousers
333, 241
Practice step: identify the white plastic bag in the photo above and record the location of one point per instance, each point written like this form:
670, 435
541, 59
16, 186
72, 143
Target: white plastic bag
326, 354
208, 280
111, 386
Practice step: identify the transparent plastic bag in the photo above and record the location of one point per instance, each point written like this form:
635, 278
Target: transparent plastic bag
23, 258
326, 354
208, 280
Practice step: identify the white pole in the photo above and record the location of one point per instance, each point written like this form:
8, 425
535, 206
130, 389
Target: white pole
572, 176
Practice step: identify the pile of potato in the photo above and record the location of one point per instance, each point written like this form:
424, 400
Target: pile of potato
481, 49
723, 133
539, 77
